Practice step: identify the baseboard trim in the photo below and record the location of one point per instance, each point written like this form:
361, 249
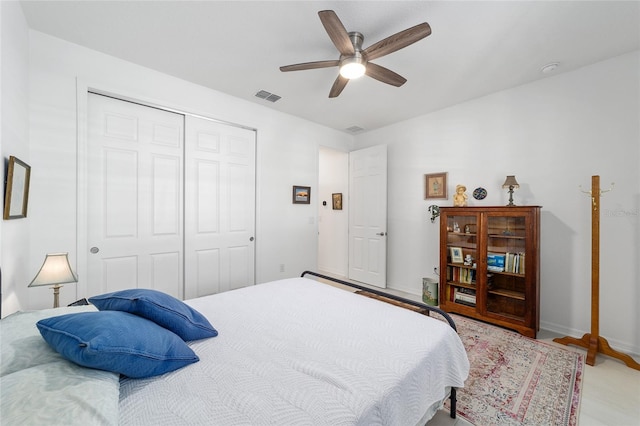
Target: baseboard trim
633, 351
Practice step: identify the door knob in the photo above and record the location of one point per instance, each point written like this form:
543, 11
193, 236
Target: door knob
94, 250
382, 234
251, 239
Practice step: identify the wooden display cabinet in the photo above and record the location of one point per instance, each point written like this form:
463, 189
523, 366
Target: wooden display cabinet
489, 265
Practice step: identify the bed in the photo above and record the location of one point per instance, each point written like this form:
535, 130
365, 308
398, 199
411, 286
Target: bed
289, 352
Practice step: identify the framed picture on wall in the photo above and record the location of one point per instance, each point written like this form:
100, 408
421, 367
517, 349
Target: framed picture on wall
16, 193
435, 185
337, 201
301, 194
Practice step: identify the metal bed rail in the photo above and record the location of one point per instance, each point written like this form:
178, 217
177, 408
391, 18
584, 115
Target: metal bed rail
446, 316
439, 311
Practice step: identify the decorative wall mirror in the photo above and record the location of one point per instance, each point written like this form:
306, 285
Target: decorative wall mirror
16, 193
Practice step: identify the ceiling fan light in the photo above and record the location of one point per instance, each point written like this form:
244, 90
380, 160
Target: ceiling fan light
352, 68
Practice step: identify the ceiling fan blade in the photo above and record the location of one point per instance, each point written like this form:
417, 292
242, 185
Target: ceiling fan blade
397, 41
337, 33
384, 75
338, 86
310, 65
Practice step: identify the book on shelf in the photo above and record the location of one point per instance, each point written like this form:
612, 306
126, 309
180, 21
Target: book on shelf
461, 275
462, 302
465, 296
507, 262
495, 262
461, 293
514, 263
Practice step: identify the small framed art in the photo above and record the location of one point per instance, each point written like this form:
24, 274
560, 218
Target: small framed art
17, 190
337, 201
301, 194
456, 255
435, 185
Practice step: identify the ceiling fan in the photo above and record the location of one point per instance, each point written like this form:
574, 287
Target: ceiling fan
354, 61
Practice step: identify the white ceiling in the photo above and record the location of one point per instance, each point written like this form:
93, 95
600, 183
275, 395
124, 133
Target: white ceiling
236, 47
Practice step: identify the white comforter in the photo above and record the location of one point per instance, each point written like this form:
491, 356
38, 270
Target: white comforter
39, 387
298, 352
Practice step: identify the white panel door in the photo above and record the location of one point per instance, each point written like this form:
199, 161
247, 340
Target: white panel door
135, 197
219, 207
368, 215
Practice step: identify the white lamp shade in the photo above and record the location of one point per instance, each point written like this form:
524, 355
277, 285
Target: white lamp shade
55, 270
510, 181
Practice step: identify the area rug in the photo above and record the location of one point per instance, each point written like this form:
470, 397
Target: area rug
515, 380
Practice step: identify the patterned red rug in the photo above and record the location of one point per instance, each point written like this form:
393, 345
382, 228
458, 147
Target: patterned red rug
515, 380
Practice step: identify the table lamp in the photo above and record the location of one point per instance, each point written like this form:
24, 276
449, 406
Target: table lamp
511, 183
55, 271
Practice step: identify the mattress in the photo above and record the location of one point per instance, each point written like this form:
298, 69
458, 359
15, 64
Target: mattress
301, 352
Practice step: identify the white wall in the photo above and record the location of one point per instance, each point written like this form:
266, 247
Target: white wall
553, 135
287, 155
333, 225
14, 234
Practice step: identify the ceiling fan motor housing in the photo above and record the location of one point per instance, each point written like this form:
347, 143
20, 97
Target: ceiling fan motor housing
354, 66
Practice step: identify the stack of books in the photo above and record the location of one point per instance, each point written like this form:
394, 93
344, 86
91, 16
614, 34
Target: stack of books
464, 296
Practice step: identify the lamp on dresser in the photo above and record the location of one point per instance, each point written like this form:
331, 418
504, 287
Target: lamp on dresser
55, 271
512, 184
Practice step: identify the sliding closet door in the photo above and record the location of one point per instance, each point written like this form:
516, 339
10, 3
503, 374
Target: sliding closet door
219, 207
135, 197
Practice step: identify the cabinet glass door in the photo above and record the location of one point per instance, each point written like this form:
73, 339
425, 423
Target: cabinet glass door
462, 254
506, 266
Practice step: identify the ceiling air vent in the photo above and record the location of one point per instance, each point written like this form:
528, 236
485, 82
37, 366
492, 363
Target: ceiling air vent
354, 129
267, 96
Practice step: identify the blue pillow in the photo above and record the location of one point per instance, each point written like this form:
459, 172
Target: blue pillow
116, 341
161, 308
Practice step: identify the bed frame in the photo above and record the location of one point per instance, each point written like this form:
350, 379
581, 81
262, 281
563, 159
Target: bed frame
429, 309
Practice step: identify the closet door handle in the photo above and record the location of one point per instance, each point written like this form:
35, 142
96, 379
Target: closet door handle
94, 250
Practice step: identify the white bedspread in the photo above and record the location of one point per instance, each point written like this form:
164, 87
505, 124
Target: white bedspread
39, 387
299, 352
